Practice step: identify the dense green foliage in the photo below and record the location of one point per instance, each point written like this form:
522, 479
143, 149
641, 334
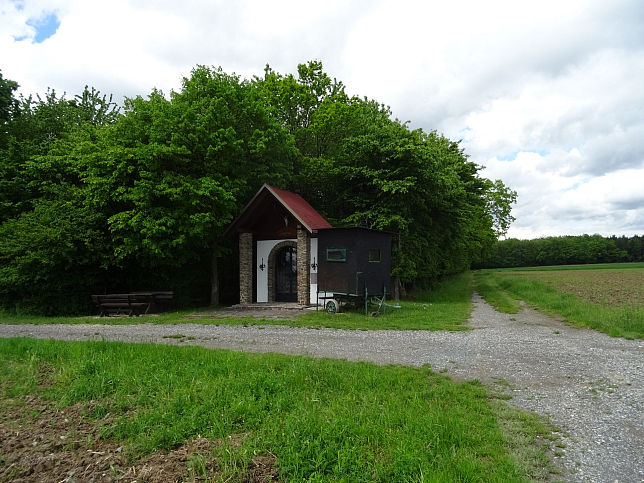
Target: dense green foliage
93, 199
633, 246
322, 419
52, 244
564, 250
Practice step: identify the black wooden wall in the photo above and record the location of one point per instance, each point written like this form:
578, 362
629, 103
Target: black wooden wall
356, 271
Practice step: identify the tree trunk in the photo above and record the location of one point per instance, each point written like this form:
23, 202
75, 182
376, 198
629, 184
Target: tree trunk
214, 278
397, 284
397, 289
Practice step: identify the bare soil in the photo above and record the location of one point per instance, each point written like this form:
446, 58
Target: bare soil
615, 288
42, 443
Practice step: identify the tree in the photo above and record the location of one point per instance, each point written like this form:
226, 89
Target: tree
361, 167
51, 240
8, 109
499, 201
172, 174
49, 257
8, 105
34, 128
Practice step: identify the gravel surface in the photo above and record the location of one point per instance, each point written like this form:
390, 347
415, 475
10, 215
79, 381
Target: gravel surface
589, 384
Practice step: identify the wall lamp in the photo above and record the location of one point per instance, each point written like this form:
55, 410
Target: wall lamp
261, 265
314, 265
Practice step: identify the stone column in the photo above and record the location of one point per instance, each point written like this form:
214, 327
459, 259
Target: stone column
246, 267
303, 266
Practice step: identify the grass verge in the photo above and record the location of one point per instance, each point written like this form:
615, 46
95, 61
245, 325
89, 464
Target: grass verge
487, 285
447, 307
323, 420
502, 290
165, 318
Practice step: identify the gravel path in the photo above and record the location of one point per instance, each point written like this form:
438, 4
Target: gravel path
591, 385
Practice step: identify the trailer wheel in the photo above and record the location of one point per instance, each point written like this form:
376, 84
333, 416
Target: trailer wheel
332, 306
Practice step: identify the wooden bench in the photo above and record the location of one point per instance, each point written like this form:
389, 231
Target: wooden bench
130, 304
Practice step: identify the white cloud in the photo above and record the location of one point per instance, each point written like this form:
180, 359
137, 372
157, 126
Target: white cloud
553, 87
555, 203
588, 106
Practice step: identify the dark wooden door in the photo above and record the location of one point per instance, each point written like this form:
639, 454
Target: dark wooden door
286, 275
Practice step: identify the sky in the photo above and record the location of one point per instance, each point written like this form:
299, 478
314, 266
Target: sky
547, 96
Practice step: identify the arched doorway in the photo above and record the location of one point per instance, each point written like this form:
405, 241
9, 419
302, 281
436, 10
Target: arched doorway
285, 274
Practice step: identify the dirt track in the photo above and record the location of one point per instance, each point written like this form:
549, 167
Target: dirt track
591, 385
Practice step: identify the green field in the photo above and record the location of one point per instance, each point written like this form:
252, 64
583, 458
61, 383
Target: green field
311, 419
607, 297
551, 268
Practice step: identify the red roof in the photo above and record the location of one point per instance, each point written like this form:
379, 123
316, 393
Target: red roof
300, 208
297, 206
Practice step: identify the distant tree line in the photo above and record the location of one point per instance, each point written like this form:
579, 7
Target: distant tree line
565, 250
633, 246
99, 198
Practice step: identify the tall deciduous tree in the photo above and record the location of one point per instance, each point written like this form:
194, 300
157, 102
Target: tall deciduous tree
361, 167
8, 104
50, 238
173, 172
35, 126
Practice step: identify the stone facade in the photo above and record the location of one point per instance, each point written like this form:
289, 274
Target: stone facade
246, 267
303, 266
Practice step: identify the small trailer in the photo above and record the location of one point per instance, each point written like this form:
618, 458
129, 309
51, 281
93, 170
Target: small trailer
374, 305
354, 269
